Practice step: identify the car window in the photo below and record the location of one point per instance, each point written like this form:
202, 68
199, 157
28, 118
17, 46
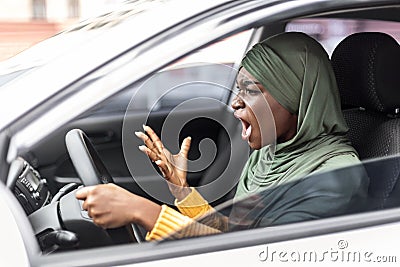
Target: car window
208, 72
329, 32
316, 196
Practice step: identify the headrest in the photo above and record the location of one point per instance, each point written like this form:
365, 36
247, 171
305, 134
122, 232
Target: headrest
367, 69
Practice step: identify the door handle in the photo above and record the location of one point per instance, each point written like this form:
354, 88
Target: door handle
101, 137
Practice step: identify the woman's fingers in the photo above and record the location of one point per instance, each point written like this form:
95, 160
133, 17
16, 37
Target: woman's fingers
185, 147
147, 141
172, 167
154, 137
153, 156
156, 151
149, 148
151, 140
165, 170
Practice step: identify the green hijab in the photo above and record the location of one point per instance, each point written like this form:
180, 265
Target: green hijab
296, 71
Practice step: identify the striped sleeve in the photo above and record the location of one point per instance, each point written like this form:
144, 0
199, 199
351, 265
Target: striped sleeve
174, 225
194, 205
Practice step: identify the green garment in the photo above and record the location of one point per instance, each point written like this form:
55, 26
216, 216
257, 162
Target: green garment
296, 71
320, 195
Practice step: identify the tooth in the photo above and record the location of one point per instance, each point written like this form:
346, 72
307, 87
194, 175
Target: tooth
248, 131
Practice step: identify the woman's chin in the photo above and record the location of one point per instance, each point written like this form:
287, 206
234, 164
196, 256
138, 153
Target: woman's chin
254, 145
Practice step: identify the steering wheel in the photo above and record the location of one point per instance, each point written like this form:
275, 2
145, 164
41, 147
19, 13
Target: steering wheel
92, 171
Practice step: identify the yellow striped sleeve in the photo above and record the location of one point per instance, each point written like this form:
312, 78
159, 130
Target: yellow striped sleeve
167, 223
194, 205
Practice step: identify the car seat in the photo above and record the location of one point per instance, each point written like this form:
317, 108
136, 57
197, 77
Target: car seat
367, 67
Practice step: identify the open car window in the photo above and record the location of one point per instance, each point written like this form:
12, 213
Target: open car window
192, 76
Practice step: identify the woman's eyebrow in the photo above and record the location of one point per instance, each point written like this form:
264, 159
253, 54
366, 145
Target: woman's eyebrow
250, 82
246, 83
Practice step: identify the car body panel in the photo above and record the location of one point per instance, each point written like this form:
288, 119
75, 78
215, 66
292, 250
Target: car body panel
342, 248
101, 40
14, 229
247, 245
54, 104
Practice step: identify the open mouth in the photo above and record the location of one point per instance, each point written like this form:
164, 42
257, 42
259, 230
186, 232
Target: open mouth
246, 129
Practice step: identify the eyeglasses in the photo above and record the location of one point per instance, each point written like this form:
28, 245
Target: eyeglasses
245, 91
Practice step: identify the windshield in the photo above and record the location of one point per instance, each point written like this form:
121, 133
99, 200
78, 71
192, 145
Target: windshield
70, 39
51, 66
364, 187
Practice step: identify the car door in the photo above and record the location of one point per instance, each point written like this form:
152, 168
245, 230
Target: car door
192, 94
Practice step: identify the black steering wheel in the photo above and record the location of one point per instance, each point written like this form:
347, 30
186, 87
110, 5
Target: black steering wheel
92, 171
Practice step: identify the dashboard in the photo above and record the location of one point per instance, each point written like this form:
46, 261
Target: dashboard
58, 221
28, 186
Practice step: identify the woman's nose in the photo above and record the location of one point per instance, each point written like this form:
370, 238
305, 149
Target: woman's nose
237, 102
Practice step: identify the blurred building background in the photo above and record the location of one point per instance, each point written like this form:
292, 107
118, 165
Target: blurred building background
26, 22
329, 32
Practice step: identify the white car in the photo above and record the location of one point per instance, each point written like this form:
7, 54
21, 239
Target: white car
172, 65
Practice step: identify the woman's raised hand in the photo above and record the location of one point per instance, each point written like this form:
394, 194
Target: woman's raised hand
172, 167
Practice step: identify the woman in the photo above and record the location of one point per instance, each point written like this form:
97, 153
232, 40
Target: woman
290, 74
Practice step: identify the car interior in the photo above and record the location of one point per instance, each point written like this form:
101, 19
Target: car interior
365, 64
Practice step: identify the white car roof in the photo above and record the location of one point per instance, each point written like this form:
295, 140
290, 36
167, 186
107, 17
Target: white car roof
51, 65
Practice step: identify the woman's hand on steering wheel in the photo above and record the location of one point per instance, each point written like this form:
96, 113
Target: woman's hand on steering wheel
172, 167
111, 206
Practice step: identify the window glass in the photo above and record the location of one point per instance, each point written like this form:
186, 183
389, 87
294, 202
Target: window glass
317, 196
329, 32
208, 72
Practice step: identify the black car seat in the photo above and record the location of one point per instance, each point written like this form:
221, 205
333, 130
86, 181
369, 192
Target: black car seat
367, 69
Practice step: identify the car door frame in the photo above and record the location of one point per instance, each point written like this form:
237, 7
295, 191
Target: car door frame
126, 254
